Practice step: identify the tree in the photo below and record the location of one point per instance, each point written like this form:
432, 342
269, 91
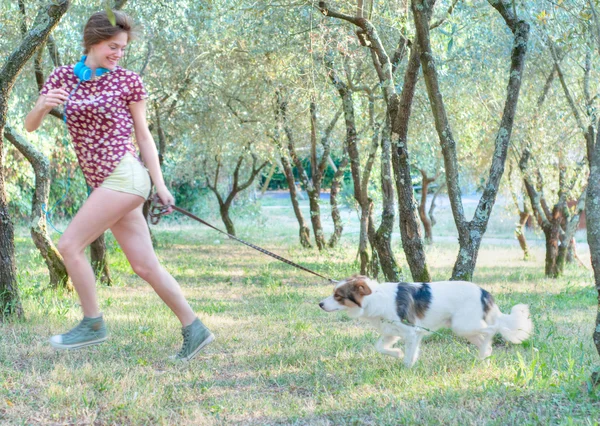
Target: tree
313, 184
471, 232
37, 223
237, 186
398, 109
304, 231
360, 178
45, 21
41, 166
427, 222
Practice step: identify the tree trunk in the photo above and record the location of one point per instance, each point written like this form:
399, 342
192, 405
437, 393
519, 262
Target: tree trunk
432, 206
382, 240
363, 252
224, 209
592, 211
592, 199
99, 257
471, 232
399, 114
351, 143
312, 185
268, 180
162, 140
45, 21
571, 255
314, 190
338, 226
550, 222
552, 234
410, 230
235, 187
304, 232
567, 240
427, 226
37, 224
374, 266
315, 218
520, 232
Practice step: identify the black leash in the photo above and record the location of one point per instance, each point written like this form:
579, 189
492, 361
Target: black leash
157, 210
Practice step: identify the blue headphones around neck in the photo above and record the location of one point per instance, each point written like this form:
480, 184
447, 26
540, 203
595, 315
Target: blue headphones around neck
84, 73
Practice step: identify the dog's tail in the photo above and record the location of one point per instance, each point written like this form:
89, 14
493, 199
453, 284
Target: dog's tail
516, 326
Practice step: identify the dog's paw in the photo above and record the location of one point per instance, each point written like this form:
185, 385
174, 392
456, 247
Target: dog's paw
396, 353
409, 364
486, 353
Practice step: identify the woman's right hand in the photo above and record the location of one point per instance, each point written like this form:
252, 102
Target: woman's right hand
54, 98
44, 104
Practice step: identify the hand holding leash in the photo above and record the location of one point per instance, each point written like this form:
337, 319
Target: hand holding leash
165, 198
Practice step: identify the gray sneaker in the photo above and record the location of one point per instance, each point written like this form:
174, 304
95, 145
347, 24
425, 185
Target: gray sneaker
195, 337
90, 331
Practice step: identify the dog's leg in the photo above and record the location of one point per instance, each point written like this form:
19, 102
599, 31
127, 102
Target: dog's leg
476, 339
476, 332
485, 349
384, 346
413, 340
482, 339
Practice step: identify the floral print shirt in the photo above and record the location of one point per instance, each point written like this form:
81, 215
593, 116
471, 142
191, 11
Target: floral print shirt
98, 117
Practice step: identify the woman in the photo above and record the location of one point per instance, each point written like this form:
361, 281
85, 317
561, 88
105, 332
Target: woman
103, 104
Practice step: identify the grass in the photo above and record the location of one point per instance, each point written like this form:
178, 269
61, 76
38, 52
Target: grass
279, 359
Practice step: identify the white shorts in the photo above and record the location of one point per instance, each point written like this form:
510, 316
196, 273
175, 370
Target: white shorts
129, 176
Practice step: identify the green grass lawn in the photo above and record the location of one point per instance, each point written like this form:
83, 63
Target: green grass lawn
278, 358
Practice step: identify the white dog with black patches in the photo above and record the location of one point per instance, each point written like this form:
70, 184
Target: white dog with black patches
413, 310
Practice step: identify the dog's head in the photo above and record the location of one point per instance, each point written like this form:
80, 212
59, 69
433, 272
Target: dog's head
347, 294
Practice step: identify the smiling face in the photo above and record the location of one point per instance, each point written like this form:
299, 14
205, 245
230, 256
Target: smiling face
103, 42
107, 53
347, 294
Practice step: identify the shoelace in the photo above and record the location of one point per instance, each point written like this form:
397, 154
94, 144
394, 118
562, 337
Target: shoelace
186, 340
75, 331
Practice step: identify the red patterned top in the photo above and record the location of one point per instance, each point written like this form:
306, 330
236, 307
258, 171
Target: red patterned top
98, 117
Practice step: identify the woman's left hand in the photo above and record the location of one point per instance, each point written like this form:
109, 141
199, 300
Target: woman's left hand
166, 198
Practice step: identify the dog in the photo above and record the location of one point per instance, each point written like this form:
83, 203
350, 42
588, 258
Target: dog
413, 310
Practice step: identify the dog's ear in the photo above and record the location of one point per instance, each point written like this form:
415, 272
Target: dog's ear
362, 288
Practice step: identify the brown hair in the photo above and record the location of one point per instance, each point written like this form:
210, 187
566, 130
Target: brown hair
98, 28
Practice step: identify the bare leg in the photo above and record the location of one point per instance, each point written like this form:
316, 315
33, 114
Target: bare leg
132, 234
384, 346
100, 211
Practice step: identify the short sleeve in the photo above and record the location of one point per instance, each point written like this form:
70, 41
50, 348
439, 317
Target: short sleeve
55, 80
134, 90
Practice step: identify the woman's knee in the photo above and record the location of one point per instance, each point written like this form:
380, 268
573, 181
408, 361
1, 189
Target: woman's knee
146, 270
68, 247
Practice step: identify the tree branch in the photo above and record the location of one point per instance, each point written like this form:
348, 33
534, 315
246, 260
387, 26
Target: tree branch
563, 83
45, 21
325, 10
325, 141
446, 16
507, 13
